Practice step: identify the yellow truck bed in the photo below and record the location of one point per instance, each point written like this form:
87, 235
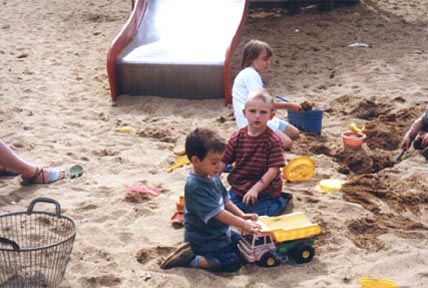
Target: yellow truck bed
289, 227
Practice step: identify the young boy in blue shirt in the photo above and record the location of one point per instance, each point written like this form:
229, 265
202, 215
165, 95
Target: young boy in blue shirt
208, 211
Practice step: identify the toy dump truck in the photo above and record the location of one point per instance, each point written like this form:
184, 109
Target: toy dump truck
284, 238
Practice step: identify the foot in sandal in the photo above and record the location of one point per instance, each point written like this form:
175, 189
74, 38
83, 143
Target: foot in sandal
43, 176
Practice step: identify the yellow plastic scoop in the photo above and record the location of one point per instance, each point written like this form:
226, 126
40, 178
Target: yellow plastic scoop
180, 161
354, 128
366, 282
300, 168
330, 185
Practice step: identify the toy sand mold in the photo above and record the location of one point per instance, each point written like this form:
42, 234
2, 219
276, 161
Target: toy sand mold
300, 168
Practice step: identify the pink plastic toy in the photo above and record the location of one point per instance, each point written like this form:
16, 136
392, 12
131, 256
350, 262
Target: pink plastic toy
152, 191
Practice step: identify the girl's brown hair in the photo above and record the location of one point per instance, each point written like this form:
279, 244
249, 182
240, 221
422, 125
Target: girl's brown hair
252, 50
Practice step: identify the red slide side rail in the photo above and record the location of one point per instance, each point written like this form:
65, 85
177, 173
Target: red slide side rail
119, 43
229, 54
128, 32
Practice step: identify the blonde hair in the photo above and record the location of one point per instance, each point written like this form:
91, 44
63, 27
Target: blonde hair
263, 95
252, 50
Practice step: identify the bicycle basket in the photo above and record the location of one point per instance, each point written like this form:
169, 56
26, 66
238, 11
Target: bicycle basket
35, 247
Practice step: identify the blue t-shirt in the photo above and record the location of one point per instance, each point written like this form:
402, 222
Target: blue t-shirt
204, 198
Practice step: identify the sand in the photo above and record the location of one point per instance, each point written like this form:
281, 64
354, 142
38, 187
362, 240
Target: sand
56, 111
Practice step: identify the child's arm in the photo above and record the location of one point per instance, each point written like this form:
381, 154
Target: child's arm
267, 178
228, 218
232, 208
411, 134
285, 104
293, 106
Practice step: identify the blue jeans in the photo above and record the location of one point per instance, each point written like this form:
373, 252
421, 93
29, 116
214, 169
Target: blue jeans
226, 259
265, 205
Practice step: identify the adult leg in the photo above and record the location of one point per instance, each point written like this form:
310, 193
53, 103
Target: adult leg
10, 160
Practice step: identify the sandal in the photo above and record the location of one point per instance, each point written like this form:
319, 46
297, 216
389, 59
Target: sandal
32, 180
54, 176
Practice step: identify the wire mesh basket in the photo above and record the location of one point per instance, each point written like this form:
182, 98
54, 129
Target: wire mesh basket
35, 246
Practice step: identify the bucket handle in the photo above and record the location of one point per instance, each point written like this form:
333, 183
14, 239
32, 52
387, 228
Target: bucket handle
281, 98
11, 243
46, 200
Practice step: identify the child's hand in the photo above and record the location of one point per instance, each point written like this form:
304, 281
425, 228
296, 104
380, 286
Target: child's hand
251, 227
250, 216
250, 197
293, 106
405, 144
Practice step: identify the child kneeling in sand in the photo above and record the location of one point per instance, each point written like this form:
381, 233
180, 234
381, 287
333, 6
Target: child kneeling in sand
419, 133
256, 150
208, 211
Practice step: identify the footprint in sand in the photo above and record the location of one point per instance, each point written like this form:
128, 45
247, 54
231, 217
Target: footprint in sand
103, 280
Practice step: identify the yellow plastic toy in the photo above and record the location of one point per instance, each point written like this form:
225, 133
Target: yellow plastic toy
126, 129
288, 227
178, 216
354, 128
284, 238
179, 151
366, 282
299, 168
180, 161
330, 185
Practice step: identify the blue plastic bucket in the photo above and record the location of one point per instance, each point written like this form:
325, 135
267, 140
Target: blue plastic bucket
308, 121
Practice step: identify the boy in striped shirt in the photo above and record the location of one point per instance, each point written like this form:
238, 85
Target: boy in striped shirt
257, 153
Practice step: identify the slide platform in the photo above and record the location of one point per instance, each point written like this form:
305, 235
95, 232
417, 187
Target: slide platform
177, 49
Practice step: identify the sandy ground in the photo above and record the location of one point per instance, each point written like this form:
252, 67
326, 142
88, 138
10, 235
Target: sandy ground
56, 111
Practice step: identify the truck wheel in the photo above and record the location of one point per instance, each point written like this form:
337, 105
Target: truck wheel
303, 254
269, 260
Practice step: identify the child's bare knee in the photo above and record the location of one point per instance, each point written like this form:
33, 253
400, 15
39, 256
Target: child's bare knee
292, 132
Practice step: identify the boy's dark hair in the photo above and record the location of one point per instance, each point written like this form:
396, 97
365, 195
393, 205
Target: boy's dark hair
201, 140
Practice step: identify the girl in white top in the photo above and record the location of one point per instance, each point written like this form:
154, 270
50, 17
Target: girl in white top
256, 60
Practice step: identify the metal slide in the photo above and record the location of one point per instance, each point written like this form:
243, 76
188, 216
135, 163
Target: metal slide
177, 49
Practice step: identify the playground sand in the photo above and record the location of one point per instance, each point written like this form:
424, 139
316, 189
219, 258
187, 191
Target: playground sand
55, 110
